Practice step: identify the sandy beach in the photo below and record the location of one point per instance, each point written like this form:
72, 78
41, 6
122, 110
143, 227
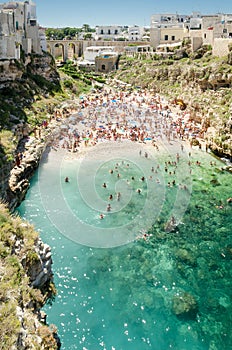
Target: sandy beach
140, 116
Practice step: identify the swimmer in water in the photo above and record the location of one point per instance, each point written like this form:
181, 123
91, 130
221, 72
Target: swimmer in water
66, 179
108, 208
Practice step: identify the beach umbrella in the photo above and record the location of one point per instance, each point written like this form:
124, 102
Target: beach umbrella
65, 105
64, 127
72, 120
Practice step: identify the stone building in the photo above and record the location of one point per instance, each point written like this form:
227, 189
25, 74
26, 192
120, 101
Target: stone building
106, 61
169, 29
91, 52
135, 33
42, 38
18, 29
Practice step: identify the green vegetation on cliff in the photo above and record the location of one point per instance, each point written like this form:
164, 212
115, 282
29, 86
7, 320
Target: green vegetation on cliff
19, 302
31, 98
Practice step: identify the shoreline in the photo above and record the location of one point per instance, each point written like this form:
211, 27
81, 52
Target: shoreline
81, 126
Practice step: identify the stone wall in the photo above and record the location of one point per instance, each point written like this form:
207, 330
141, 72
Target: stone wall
105, 65
196, 43
221, 47
80, 46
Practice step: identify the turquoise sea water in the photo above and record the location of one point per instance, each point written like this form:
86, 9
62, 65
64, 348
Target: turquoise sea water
117, 290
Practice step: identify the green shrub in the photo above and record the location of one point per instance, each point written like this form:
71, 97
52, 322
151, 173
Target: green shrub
68, 84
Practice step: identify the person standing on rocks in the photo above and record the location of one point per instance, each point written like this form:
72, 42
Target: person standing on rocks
17, 160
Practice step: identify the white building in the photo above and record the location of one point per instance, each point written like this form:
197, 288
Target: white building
18, 28
42, 37
109, 32
164, 20
91, 52
171, 29
168, 29
135, 33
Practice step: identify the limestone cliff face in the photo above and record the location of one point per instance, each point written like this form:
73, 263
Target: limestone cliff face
37, 263
26, 284
9, 71
18, 182
21, 83
43, 65
26, 276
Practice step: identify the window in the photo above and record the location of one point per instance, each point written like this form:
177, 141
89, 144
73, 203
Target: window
108, 31
165, 37
33, 23
17, 25
102, 31
204, 36
116, 31
103, 67
173, 37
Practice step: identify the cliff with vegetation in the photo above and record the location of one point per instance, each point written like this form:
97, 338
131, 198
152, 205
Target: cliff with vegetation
30, 90
26, 284
25, 262
202, 81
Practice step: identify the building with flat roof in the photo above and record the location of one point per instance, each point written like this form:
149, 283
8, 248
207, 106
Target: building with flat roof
111, 32
168, 28
19, 29
91, 52
171, 29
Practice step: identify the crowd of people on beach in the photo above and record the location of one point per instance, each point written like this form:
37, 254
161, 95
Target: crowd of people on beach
118, 115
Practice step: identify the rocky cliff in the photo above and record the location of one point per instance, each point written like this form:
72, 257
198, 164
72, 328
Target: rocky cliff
26, 276
20, 175
26, 284
21, 84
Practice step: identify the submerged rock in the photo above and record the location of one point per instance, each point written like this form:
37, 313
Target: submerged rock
215, 182
184, 305
186, 257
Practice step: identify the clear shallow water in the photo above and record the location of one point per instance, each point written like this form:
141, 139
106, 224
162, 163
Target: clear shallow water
122, 297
